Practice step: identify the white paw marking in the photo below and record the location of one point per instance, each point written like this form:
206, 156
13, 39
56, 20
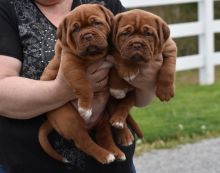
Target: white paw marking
65, 160
85, 113
118, 125
118, 94
122, 158
130, 143
131, 77
110, 158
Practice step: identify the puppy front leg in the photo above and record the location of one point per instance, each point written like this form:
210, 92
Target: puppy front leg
165, 85
105, 139
122, 109
77, 78
118, 87
124, 136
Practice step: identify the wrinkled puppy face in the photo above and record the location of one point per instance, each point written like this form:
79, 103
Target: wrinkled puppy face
139, 35
85, 31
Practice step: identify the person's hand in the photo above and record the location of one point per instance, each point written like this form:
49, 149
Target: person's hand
98, 75
63, 86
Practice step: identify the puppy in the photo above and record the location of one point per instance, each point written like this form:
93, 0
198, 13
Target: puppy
82, 41
143, 50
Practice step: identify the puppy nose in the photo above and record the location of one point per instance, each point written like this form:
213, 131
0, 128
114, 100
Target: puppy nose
136, 45
87, 37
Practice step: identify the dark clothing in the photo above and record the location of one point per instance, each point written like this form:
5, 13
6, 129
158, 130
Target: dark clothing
26, 34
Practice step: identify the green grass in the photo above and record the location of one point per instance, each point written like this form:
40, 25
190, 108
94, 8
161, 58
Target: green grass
192, 114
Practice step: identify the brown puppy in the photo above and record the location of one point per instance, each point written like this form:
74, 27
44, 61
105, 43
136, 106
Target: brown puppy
140, 38
82, 41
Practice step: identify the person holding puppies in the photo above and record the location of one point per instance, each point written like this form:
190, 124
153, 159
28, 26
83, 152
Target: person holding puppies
27, 39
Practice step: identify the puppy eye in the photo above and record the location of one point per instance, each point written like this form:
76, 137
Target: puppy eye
76, 28
97, 24
147, 33
125, 33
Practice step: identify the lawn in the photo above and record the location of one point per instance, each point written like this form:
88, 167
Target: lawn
193, 112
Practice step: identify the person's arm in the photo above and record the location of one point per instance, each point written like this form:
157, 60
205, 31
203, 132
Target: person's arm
143, 97
24, 98
146, 92
20, 97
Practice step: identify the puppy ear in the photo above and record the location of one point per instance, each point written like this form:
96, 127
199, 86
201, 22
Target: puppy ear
108, 15
115, 27
163, 32
62, 31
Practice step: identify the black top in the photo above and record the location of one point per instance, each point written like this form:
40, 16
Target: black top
26, 34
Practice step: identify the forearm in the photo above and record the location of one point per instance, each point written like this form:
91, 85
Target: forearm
23, 98
144, 96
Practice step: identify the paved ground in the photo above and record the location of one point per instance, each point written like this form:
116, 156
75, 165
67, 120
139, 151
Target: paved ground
202, 157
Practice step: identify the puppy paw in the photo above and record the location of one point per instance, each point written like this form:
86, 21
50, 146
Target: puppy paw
117, 93
121, 158
85, 113
119, 125
165, 93
119, 155
117, 122
110, 158
124, 137
104, 156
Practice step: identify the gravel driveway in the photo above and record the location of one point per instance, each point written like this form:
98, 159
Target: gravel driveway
202, 157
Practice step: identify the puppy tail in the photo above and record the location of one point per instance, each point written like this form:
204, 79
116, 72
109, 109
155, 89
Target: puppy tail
134, 126
44, 131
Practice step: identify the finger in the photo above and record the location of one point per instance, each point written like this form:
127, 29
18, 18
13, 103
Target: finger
106, 65
94, 67
99, 75
101, 85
